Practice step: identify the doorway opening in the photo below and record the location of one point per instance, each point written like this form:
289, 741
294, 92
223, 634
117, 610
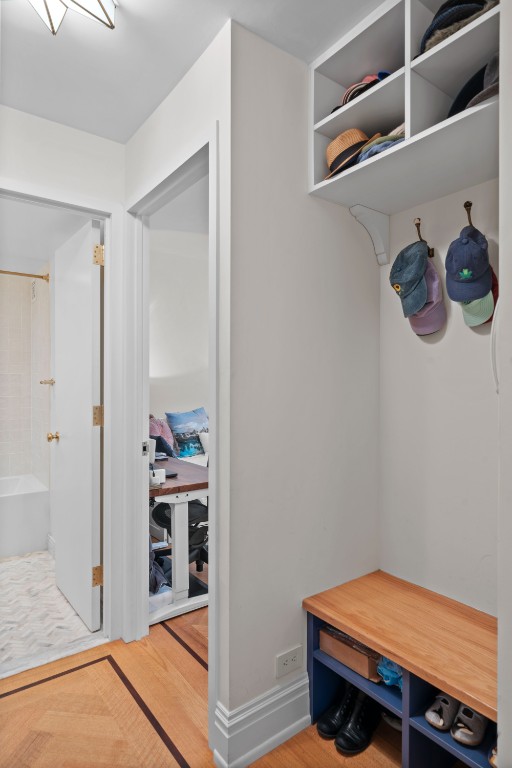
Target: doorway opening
177, 250
51, 304
175, 233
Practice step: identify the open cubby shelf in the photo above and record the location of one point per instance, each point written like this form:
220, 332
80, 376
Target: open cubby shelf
388, 697
419, 92
440, 644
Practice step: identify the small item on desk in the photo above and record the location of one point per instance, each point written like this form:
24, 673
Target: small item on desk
156, 477
161, 456
170, 473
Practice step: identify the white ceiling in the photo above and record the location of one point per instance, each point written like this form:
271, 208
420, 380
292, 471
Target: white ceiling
31, 233
108, 82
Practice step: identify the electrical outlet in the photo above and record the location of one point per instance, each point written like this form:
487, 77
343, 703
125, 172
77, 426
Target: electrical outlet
289, 661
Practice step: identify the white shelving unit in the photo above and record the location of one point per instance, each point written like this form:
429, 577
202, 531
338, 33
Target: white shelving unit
439, 155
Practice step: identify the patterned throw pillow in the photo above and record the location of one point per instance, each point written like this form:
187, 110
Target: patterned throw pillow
186, 428
160, 428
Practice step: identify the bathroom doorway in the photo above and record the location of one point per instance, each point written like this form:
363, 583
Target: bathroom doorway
50, 452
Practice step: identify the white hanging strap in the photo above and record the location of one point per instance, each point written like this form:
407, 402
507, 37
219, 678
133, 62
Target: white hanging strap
494, 365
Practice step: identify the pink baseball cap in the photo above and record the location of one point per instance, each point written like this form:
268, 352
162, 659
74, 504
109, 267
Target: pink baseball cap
432, 316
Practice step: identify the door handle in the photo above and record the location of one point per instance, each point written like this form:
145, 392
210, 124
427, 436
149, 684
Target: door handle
51, 437
51, 382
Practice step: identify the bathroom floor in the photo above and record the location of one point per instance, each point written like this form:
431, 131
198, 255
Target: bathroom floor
37, 624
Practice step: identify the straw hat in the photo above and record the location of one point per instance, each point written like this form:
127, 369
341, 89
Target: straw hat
345, 148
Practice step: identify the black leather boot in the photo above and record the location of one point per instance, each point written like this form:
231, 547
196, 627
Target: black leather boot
356, 735
331, 721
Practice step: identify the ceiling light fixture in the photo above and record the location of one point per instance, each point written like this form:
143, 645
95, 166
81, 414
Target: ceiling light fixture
52, 12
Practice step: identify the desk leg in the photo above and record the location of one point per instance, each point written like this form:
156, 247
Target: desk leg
179, 533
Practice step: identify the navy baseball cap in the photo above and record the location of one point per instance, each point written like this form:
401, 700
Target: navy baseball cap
407, 277
468, 272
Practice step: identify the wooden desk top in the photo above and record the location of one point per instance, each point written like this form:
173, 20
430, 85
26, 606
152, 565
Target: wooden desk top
191, 477
446, 643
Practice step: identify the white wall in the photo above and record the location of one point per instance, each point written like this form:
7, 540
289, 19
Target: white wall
439, 425
505, 375
196, 111
178, 322
46, 158
304, 366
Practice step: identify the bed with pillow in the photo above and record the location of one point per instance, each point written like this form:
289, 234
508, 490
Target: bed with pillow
182, 435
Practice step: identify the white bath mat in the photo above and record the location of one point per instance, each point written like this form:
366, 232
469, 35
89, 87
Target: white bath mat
36, 620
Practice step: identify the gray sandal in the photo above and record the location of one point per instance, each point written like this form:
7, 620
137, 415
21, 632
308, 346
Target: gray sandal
469, 727
442, 711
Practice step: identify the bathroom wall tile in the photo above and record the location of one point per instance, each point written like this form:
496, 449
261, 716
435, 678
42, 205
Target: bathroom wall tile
20, 465
5, 466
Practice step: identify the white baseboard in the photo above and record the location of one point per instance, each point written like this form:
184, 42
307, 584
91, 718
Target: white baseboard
250, 731
51, 545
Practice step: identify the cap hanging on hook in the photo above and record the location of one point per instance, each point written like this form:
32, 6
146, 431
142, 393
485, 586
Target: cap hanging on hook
417, 223
468, 205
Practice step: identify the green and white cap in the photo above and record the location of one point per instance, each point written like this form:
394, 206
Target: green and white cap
479, 311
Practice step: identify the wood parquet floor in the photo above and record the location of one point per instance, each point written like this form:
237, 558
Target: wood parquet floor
141, 705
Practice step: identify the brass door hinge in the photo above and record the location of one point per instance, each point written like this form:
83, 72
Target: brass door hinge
97, 415
97, 576
98, 256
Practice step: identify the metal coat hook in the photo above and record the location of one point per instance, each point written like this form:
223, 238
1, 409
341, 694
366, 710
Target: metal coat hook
468, 205
417, 223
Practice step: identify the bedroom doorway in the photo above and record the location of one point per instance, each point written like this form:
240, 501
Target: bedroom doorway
175, 235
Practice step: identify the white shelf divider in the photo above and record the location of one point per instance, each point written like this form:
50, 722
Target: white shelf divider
381, 108
457, 153
450, 64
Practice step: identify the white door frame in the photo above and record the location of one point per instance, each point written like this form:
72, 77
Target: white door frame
116, 602
201, 159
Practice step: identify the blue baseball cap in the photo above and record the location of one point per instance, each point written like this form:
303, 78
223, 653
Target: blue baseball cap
407, 277
468, 272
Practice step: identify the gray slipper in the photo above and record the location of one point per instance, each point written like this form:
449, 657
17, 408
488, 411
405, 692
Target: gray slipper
442, 711
469, 727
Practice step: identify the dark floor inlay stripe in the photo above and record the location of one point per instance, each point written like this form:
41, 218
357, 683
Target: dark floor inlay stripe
173, 749
53, 677
171, 746
185, 645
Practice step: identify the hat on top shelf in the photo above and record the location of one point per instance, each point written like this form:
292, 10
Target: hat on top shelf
481, 86
468, 272
451, 17
356, 89
432, 316
407, 277
343, 151
491, 81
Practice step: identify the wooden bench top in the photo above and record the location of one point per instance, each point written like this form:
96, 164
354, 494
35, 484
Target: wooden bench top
446, 643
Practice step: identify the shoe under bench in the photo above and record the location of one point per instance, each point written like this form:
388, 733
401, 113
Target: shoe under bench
440, 644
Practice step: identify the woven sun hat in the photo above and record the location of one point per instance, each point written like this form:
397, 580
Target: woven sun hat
432, 316
344, 150
407, 277
468, 272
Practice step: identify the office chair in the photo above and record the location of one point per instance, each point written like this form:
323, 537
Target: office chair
197, 530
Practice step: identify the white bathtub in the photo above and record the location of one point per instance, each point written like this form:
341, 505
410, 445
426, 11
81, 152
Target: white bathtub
24, 515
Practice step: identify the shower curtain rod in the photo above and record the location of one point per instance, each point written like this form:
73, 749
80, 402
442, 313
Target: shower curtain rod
25, 274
